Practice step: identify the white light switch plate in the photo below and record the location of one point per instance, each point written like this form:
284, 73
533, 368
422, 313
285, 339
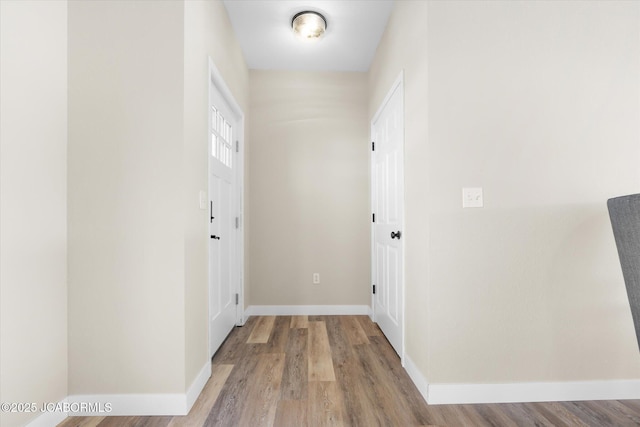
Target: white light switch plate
472, 197
203, 200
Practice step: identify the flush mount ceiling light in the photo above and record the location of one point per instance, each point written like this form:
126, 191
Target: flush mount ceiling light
308, 25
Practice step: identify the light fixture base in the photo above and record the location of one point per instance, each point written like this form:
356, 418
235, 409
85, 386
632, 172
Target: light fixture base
309, 25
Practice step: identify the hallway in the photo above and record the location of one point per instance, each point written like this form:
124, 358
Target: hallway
341, 371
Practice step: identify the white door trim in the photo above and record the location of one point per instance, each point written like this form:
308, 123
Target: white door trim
397, 84
215, 78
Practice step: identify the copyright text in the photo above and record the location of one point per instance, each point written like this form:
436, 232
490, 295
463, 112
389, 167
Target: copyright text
66, 407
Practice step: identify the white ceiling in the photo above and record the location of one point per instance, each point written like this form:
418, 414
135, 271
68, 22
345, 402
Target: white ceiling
354, 29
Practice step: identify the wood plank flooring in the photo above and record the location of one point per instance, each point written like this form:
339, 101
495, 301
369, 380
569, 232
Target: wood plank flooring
297, 371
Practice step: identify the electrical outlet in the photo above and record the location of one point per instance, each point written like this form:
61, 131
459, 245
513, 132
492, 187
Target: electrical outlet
316, 278
472, 197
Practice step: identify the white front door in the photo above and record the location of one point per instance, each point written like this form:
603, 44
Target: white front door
223, 278
387, 167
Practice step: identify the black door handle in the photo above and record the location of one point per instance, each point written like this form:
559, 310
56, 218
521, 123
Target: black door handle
211, 211
213, 236
396, 234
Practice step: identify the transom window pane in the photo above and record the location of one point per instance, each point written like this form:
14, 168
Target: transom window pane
221, 138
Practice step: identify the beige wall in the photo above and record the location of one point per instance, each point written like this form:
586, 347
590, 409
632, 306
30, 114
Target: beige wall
126, 215
33, 204
309, 188
208, 34
139, 73
537, 102
403, 48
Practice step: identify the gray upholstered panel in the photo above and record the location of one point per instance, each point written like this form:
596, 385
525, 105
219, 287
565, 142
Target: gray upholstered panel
625, 219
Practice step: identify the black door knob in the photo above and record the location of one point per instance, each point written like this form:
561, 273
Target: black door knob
215, 237
396, 234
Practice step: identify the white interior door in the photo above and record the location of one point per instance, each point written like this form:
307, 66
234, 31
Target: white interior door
387, 131
223, 276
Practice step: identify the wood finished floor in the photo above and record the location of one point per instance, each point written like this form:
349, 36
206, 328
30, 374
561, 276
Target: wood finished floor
340, 371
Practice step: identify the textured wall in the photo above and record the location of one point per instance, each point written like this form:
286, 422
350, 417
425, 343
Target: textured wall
403, 48
208, 34
33, 204
309, 190
536, 102
126, 216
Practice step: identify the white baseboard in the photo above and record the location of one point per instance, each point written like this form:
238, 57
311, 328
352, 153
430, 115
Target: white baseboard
416, 376
448, 394
126, 404
309, 310
141, 404
48, 419
533, 392
198, 385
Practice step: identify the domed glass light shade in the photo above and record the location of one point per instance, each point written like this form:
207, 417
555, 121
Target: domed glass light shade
309, 25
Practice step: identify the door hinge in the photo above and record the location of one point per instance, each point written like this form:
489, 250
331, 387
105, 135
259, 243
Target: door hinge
237, 299
374, 217
237, 222
237, 146
374, 289
373, 146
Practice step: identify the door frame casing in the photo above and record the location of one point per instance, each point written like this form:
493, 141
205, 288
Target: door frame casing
216, 82
397, 84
